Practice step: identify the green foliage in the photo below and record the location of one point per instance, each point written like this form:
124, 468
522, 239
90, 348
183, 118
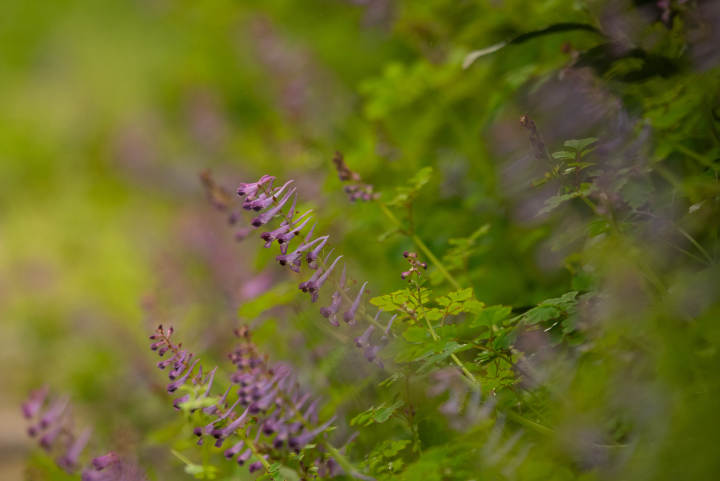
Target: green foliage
376, 415
565, 328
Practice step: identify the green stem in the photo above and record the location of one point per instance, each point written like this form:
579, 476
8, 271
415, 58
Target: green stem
421, 245
344, 463
695, 243
537, 427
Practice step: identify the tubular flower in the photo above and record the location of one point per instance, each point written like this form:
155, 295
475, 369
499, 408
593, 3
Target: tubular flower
265, 217
250, 191
58, 437
364, 339
31, 407
110, 467
349, 315
281, 202
267, 394
69, 461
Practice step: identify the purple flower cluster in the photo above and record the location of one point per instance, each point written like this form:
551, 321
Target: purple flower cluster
53, 428
110, 467
354, 187
415, 265
261, 197
262, 397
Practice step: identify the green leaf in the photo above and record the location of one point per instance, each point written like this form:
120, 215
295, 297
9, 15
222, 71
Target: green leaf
406, 194
491, 316
376, 415
416, 334
580, 144
564, 155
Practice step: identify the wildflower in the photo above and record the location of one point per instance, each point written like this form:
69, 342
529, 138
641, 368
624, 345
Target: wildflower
257, 465
312, 256
69, 461
330, 312
231, 452
296, 443
54, 412
111, 468
265, 217
242, 459
415, 265
172, 387
102, 462
294, 231
32, 406
316, 282
356, 189
370, 352
294, 259
250, 190
362, 341
349, 315
263, 201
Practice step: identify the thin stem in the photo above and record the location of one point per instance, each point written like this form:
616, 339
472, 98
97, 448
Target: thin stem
250, 444
695, 243
421, 245
537, 427
345, 464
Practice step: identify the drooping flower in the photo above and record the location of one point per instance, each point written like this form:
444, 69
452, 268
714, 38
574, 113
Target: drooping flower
250, 190
31, 407
265, 217
349, 315
69, 460
261, 197
58, 436
269, 394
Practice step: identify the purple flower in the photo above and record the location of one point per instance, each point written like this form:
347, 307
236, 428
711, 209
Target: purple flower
69, 461
178, 401
231, 452
54, 412
331, 311
113, 468
297, 442
233, 426
50, 436
349, 315
256, 466
32, 406
244, 456
286, 237
294, 259
172, 387
251, 190
370, 352
363, 339
312, 256
264, 201
265, 217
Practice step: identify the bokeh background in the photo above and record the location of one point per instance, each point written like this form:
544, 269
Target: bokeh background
110, 110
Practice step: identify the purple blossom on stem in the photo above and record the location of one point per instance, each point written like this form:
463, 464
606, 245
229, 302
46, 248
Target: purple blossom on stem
349, 315
250, 190
297, 442
69, 461
102, 462
364, 339
265, 217
32, 406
